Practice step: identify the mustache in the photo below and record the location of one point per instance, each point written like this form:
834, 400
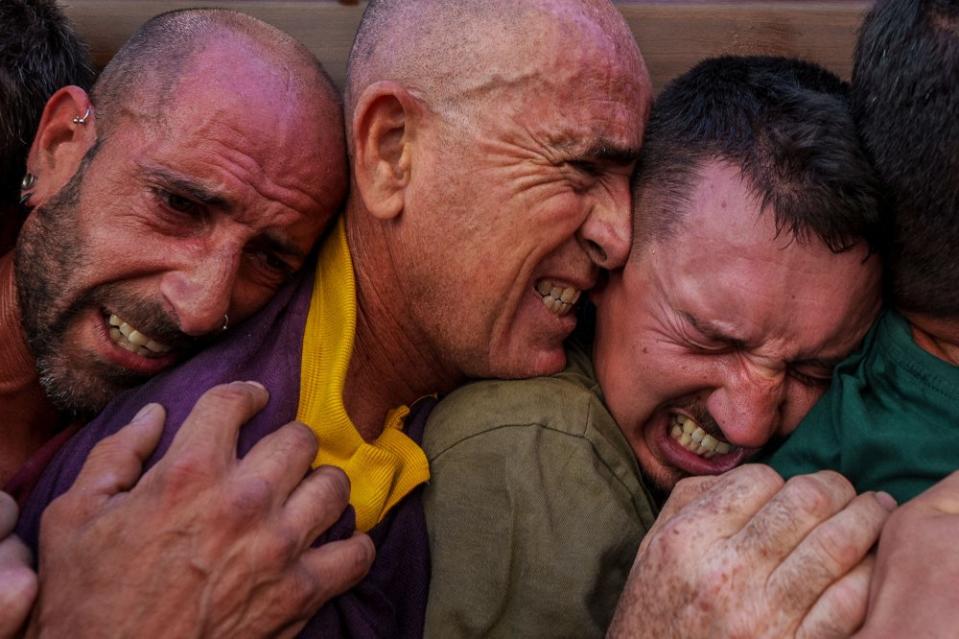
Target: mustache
146, 316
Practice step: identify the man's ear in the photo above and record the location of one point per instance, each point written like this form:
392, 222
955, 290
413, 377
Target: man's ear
384, 127
66, 132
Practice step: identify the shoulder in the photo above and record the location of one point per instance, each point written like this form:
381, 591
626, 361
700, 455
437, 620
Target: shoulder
566, 404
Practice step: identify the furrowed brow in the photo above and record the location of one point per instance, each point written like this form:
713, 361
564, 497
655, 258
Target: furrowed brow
715, 333
185, 186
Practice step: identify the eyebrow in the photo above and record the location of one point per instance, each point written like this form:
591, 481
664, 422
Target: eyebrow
607, 151
188, 187
208, 197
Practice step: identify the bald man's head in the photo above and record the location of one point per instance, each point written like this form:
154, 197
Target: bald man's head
457, 54
174, 202
495, 139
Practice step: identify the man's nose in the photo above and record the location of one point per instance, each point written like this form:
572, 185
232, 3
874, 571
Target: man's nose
607, 232
748, 407
200, 292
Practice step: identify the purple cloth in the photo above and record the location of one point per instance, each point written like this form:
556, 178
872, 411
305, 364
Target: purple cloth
391, 600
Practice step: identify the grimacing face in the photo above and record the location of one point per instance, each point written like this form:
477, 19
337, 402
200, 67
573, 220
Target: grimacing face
167, 228
532, 200
711, 342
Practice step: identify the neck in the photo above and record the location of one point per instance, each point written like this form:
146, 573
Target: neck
392, 362
937, 336
29, 419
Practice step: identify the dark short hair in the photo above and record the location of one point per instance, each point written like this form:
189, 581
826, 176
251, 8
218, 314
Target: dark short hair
39, 53
906, 104
786, 123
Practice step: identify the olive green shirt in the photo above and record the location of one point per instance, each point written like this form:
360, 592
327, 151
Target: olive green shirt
535, 508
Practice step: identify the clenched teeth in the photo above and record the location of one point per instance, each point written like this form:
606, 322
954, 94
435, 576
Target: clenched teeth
128, 337
694, 439
558, 299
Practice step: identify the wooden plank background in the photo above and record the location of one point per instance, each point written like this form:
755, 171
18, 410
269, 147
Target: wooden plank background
673, 35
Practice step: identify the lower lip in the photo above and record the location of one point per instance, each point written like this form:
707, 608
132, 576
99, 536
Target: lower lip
676, 455
125, 359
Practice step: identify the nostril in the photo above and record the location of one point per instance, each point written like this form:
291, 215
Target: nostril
598, 252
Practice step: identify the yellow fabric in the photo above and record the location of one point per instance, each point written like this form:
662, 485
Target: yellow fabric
381, 472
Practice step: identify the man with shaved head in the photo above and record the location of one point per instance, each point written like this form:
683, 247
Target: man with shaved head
167, 205
491, 145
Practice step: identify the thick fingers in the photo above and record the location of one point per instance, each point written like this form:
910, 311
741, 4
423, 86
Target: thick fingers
317, 502
18, 586
804, 502
281, 459
336, 567
8, 514
115, 464
732, 500
829, 551
210, 431
842, 608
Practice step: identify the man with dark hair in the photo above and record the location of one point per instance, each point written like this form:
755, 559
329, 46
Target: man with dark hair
751, 275
39, 53
889, 419
492, 144
171, 202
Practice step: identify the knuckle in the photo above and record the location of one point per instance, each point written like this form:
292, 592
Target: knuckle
835, 549
331, 484
810, 495
760, 475
301, 437
247, 500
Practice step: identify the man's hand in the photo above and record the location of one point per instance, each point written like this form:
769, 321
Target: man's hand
742, 555
203, 544
18, 582
916, 579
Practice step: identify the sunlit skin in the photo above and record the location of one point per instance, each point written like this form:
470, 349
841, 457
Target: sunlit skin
530, 193
728, 324
182, 221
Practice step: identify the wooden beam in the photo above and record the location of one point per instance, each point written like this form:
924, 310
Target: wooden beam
673, 35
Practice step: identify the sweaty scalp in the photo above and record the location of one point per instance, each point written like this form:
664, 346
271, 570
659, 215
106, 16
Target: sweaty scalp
448, 52
142, 77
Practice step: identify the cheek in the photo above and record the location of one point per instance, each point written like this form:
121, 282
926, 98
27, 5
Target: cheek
800, 399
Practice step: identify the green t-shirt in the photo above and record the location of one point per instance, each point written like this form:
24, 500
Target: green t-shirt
535, 508
890, 420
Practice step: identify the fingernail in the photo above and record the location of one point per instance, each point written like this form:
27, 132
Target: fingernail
145, 413
250, 381
888, 501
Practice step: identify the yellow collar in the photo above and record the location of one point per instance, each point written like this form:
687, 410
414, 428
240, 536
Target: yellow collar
381, 472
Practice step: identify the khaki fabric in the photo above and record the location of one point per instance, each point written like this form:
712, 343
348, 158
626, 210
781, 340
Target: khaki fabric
535, 508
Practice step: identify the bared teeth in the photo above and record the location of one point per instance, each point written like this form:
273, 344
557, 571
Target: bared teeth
558, 299
694, 439
127, 337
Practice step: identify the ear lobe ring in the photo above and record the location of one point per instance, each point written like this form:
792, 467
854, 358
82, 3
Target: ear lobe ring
226, 322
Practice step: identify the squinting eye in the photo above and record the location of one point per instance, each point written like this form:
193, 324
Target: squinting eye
815, 381
272, 263
178, 203
589, 168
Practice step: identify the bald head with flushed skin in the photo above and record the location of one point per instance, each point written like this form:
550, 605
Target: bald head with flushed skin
211, 158
491, 145
460, 53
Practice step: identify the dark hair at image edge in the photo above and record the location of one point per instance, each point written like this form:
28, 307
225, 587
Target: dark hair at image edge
906, 104
786, 123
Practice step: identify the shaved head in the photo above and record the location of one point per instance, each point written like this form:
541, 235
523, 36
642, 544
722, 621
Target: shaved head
453, 54
143, 75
